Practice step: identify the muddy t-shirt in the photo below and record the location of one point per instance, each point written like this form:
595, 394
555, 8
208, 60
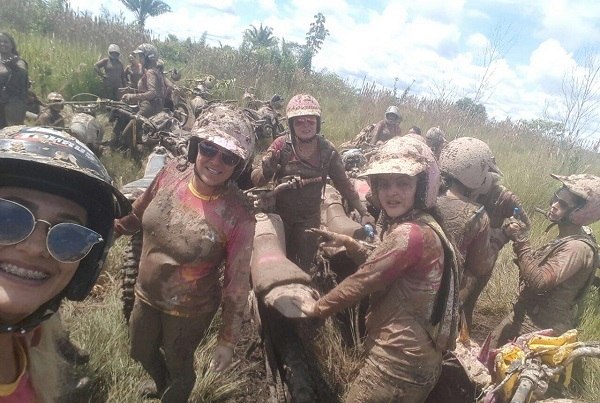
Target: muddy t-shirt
114, 72
402, 275
186, 239
384, 132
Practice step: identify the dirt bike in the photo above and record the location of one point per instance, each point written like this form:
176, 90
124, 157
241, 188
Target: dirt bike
275, 278
523, 371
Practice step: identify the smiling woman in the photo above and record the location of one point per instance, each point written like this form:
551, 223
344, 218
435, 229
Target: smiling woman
57, 205
194, 219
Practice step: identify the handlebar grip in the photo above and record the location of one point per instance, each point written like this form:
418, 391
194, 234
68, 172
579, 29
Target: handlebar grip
523, 391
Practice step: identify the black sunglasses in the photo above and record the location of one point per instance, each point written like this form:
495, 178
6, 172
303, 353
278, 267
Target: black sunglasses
209, 150
67, 242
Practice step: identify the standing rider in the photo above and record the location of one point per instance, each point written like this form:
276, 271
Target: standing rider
555, 277
151, 89
14, 83
112, 72
307, 154
389, 127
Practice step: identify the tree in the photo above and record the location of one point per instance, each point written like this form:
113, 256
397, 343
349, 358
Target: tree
261, 37
580, 107
314, 40
474, 111
146, 8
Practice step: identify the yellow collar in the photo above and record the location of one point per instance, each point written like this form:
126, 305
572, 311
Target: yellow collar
200, 195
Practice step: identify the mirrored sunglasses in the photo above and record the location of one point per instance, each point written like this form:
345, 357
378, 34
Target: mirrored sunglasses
66, 242
209, 150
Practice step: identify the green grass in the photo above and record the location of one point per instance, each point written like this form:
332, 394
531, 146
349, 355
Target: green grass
61, 49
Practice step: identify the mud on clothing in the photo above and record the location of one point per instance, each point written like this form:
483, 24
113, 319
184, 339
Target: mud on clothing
402, 276
114, 76
384, 132
186, 238
14, 81
554, 280
300, 209
50, 117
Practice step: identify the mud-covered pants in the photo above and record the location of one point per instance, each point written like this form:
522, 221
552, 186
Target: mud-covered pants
12, 112
375, 386
301, 246
172, 369
123, 131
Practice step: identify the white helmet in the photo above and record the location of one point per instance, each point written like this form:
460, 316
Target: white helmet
113, 48
470, 161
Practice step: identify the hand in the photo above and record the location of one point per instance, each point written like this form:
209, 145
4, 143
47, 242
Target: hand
308, 306
221, 359
516, 230
335, 240
367, 219
127, 98
270, 164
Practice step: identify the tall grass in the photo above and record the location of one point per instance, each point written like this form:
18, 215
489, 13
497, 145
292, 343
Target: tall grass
61, 48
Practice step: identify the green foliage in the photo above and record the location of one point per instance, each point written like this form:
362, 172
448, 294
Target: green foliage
472, 109
261, 37
314, 40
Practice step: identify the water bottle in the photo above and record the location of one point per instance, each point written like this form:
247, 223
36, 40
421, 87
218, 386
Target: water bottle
370, 231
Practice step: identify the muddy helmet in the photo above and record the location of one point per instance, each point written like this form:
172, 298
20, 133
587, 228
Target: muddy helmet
113, 48
148, 51
412, 157
52, 161
227, 127
587, 187
470, 161
392, 113
435, 136
209, 82
276, 101
303, 105
54, 98
160, 65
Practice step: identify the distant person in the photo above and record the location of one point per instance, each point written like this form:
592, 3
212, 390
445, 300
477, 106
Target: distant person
133, 72
436, 140
51, 115
169, 85
414, 130
56, 225
150, 95
14, 83
112, 72
389, 127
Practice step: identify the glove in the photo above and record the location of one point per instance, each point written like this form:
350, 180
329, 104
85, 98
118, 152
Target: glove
221, 359
367, 219
516, 230
306, 305
335, 240
270, 164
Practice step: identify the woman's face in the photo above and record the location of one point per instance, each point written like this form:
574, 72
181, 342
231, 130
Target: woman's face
561, 205
29, 275
305, 127
213, 166
396, 193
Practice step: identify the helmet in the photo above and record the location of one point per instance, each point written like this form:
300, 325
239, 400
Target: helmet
55, 97
303, 105
209, 82
587, 187
435, 135
393, 113
114, 48
160, 64
148, 50
408, 156
52, 161
276, 101
227, 127
470, 161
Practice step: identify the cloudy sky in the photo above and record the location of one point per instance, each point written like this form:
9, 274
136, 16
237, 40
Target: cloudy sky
441, 45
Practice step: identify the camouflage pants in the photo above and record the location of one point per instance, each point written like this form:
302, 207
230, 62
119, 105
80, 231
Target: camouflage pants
374, 386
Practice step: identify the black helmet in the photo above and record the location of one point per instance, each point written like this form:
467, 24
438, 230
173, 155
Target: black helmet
52, 161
